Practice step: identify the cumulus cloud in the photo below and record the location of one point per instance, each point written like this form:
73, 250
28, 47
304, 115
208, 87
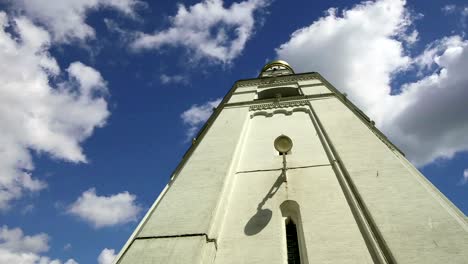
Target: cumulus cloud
41, 109
207, 29
102, 211
196, 116
362, 50
464, 178
14, 240
107, 256
15, 247
66, 19
429, 118
460, 11
356, 51
173, 79
448, 9
67, 246
7, 256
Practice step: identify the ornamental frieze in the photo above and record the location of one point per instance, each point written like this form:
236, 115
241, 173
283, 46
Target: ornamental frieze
276, 105
276, 80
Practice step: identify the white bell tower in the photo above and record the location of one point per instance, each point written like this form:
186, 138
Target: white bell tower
288, 170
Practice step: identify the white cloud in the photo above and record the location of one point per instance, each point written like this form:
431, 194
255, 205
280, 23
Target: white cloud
461, 11
66, 19
7, 256
15, 241
464, 179
67, 246
173, 79
362, 51
40, 110
15, 247
207, 29
411, 38
463, 17
27, 209
356, 52
197, 115
106, 256
101, 211
428, 119
447, 9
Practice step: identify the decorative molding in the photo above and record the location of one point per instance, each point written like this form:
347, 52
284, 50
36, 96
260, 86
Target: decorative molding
279, 111
244, 92
282, 84
276, 80
276, 105
313, 85
274, 100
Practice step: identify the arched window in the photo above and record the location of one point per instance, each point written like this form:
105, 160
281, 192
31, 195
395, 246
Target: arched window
278, 92
292, 243
294, 234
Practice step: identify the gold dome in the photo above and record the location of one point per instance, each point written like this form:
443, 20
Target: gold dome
277, 63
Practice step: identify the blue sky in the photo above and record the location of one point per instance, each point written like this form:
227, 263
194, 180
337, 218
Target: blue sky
99, 99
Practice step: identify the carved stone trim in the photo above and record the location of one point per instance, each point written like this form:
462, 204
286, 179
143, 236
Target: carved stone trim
276, 80
282, 84
276, 105
279, 111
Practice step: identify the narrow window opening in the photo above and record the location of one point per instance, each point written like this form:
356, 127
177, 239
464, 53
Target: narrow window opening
292, 243
296, 250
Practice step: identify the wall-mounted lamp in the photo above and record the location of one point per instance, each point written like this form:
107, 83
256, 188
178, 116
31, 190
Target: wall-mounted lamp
283, 144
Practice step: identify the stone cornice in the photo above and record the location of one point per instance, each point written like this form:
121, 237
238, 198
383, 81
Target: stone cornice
276, 105
276, 80
274, 101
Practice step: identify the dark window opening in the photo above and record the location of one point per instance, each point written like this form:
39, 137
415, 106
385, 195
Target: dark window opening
278, 93
292, 243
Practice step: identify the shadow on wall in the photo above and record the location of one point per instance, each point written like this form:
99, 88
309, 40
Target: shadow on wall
263, 216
